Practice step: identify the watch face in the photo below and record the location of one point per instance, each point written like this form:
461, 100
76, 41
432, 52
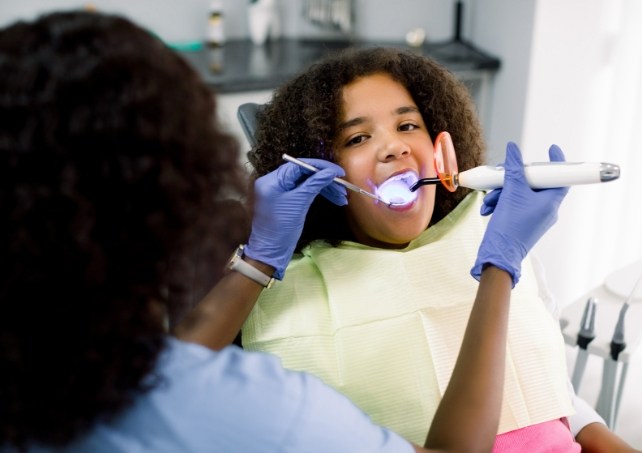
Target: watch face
235, 257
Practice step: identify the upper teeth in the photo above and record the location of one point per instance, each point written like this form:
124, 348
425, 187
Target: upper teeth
408, 177
396, 189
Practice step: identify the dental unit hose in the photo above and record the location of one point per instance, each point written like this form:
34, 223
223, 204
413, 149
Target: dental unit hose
608, 404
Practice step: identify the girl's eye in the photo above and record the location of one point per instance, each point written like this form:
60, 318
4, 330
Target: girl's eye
356, 140
408, 127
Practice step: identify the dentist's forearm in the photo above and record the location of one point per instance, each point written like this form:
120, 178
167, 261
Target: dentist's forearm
468, 415
218, 318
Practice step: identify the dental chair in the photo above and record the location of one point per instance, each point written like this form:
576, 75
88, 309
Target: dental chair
579, 323
247, 116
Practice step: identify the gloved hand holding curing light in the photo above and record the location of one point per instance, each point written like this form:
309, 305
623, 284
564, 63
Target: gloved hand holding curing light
520, 218
282, 200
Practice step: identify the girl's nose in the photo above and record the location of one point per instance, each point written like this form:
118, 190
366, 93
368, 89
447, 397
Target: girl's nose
393, 148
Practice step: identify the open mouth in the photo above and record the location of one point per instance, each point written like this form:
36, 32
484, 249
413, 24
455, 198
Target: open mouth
396, 190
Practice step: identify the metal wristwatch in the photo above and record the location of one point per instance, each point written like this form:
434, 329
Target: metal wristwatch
238, 264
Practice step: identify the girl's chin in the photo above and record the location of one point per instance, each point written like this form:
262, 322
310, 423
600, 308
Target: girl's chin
400, 240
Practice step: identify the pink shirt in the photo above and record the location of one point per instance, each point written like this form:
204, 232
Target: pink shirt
551, 437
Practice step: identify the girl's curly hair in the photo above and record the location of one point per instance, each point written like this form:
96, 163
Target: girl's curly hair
115, 186
303, 116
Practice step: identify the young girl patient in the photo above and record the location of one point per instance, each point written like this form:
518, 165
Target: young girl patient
374, 289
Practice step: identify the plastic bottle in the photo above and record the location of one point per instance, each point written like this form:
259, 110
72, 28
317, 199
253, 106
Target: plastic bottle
215, 24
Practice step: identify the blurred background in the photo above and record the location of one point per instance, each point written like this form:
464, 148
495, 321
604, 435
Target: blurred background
541, 72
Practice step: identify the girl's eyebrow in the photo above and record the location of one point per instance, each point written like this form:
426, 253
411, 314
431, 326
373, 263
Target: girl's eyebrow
353, 122
360, 119
407, 109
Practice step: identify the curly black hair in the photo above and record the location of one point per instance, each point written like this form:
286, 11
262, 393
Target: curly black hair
119, 200
303, 116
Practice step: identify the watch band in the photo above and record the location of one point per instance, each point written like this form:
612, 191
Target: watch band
238, 264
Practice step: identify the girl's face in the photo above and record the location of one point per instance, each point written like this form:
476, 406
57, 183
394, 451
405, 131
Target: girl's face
382, 135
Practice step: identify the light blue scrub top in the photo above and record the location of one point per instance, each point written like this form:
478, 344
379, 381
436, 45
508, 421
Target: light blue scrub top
235, 401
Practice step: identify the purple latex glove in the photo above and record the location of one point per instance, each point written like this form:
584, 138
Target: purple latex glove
282, 200
520, 218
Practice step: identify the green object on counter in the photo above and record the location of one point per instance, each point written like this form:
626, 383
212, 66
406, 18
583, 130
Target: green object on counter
187, 46
180, 46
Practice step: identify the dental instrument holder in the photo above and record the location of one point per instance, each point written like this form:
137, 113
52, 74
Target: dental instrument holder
616, 310
584, 337
607, 404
